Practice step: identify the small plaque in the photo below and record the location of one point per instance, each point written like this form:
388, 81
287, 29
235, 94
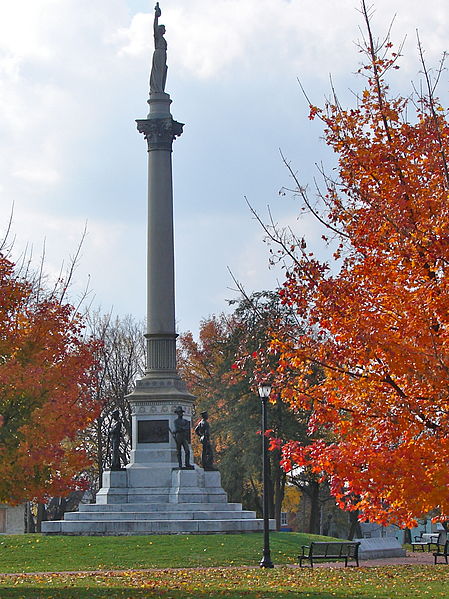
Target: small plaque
152, 431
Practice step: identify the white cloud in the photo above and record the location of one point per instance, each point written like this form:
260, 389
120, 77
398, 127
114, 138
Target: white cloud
106, 252
34, 174
58, 66
136, 39
22, 25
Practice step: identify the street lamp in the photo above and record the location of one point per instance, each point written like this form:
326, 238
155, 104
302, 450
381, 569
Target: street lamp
264, 392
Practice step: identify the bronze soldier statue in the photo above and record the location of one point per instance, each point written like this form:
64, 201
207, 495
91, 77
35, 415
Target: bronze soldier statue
202, 429
115, 438
181, 435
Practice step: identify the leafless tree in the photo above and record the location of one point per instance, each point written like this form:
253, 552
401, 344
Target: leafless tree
122, 361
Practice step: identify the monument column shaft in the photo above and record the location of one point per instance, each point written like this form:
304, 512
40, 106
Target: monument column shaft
160, 130
161, 276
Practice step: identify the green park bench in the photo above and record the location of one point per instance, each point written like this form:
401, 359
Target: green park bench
427, 539
330, 550
442, 551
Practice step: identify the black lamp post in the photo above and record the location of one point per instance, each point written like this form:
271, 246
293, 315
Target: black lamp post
264, 393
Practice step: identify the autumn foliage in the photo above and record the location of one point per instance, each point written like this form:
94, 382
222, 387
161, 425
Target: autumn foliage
220, 369
46, 397
376, 319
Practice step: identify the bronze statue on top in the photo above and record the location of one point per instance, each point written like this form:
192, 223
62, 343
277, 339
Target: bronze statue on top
159, 67
202, 429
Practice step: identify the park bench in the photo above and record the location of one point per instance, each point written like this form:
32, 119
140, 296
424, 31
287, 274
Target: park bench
426, 539
330, 550
442, 551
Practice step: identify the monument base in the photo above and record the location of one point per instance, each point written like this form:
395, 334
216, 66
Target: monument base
194, 503
380, 547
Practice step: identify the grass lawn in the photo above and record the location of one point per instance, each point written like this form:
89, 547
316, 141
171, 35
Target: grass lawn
39, 553
232, 583
227, 576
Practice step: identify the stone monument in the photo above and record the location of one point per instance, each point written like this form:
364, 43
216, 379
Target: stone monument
157, 492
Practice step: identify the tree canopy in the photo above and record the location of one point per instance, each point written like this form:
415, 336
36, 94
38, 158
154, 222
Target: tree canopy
376, 321
221, 370
46, 377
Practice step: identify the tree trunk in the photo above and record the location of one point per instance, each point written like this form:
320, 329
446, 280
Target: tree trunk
279, 487
355, 530
41, 516
257, 498
100, 451
407, 536
29, 519
326, 525
270, 489
62, 505
315, 515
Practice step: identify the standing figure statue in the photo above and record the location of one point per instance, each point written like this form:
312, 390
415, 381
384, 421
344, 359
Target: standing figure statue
202, 429
115, 438
158, 75
181, 435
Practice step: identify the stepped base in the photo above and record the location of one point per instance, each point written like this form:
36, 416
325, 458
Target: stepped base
194, 503
144, 527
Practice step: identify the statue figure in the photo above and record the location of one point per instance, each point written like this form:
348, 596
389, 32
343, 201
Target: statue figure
181, 435
158, 75
202, 429
115, 438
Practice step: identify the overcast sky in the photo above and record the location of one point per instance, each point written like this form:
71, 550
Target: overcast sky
73, 79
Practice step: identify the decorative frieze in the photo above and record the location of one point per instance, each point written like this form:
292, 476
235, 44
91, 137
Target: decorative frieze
155, 384
159, 407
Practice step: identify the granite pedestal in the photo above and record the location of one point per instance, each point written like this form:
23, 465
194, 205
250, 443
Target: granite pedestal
193, 503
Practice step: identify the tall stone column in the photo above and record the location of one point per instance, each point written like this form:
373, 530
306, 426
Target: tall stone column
161, 390
160, 130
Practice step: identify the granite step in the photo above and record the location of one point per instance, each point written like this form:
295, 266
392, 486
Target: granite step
158, 507
175, 515
150, 496
144, 527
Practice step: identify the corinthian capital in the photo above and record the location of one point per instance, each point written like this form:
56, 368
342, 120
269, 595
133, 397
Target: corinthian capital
159, 133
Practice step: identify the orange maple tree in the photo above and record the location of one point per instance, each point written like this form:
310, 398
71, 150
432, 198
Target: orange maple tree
46, 377
376, 321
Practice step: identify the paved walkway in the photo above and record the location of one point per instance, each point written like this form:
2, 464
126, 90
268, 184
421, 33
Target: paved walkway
412, 558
